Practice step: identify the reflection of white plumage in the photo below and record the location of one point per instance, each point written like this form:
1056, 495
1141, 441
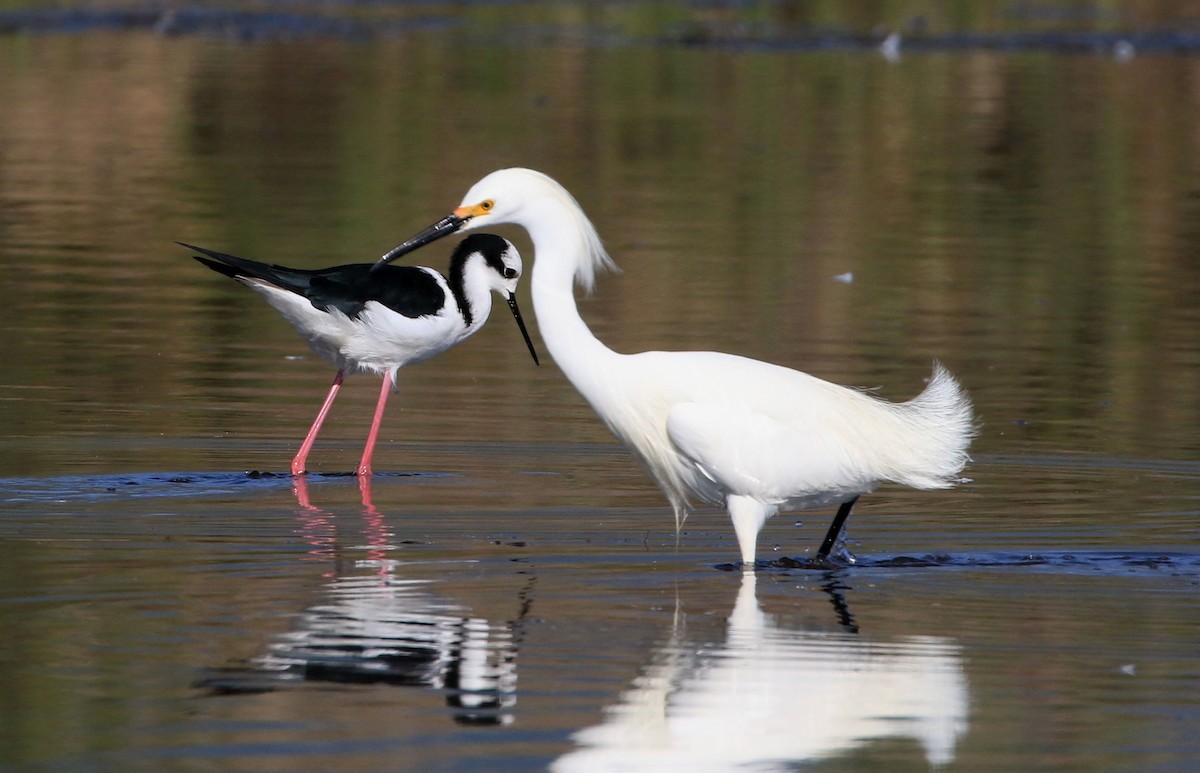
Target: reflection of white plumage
727, 430
394, 632
770, 698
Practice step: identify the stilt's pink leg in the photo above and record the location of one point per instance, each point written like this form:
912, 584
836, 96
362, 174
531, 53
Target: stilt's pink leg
364, 467
302, 455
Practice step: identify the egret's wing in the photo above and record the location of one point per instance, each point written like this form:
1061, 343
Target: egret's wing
748, 452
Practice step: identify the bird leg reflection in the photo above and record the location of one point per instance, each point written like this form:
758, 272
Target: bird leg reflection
837, 598
376, 532
300, 489
320, 532
364, 490
318, 527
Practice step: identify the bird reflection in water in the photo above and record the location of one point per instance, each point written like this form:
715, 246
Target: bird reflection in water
318, 526
379, 628
769, 697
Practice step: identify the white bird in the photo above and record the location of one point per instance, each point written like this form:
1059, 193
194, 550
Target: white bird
368, 320
718, 428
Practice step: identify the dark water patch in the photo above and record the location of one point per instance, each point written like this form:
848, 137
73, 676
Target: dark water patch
72, 488
1172, 467
1107, 562
1121, 44
236, 24
336, 21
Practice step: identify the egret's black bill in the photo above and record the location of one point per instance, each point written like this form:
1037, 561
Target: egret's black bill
444, 227
512, 304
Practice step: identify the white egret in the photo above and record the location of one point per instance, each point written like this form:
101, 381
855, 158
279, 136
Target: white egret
718, 428
378, 321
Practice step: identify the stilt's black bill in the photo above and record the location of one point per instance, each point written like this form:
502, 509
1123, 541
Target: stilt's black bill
444, 227
512, 304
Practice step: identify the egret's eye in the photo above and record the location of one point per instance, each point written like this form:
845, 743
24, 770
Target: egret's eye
487, 205
510, 273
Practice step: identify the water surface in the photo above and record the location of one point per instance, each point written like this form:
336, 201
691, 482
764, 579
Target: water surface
509, 592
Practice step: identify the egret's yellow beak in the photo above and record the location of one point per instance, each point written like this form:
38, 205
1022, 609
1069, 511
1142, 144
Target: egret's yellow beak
449, 224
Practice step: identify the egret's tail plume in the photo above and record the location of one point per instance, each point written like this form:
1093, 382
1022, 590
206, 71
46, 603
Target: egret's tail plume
943, 424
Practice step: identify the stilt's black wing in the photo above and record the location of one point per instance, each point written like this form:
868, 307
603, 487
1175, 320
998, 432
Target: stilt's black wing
407, 290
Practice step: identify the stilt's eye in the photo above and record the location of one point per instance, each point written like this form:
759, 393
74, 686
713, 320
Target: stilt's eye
510, 273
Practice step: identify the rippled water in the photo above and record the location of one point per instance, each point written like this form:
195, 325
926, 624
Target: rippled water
509, 591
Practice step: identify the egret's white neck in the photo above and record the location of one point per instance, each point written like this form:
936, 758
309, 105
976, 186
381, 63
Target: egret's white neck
558, 250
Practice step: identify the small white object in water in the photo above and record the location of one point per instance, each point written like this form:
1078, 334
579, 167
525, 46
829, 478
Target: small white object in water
1123, 51
890, 47
1129, 669
845, 278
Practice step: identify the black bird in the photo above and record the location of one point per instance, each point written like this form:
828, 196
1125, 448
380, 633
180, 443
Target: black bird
379, 321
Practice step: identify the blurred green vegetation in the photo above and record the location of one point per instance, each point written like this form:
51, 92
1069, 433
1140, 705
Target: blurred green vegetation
1028, 218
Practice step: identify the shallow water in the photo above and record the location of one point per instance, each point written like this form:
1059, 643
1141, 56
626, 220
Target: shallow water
509, 592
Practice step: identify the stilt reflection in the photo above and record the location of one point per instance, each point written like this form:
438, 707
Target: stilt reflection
381, 628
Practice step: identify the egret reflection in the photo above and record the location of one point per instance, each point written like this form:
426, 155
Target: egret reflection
381, 628
770, 697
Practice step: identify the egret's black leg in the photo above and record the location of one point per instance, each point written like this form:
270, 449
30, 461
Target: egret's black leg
834, 588
835, 529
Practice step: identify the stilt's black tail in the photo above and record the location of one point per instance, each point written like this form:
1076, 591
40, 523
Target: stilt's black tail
294, 279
